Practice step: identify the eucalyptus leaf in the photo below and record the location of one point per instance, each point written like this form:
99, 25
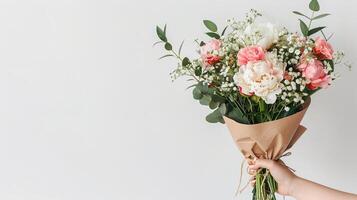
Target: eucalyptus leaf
213, 104
196, 92
194, 85
168, 46
314, 5
218, 98
198, 71
180, 48
165, 56
215, 117
321, 16
210, 25
185, 61
158, 42
205, 100
161, 34
304, 28
213, 35
223, 108
315, 30
299, 13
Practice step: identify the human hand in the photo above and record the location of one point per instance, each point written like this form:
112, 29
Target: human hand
281, 173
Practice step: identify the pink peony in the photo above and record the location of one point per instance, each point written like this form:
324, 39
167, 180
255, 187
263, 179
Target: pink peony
315, 73
252, 53
206, 52
323, 50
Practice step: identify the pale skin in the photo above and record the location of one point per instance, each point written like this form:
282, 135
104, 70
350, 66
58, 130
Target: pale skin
291, 185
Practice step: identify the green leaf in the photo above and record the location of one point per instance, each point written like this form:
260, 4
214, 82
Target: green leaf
224, 30
304, 28
215, 117
185, 61
261, 106
180, 48
218, 98
213, 35
299, 13
198, 71
165, 56
314, 5
213, 104
315, 30
205, 100
194, 85
161, 34
321, 16
197, 93
156, 43
223, 108
238, 116
168, 46
210, 25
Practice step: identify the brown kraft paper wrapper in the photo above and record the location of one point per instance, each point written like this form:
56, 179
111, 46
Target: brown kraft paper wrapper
269, 139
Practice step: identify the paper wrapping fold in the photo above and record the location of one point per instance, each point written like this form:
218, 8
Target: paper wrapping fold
269, 139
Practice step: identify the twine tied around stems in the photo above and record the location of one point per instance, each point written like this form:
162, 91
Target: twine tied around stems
240, 190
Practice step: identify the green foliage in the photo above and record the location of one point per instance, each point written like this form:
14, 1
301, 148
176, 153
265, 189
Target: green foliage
224, 30
237, 115
205, 100
210, 25
299, 13
215, 117
213, 35
223, 109
321, 16
315, 30
161, 34
165, 56
314, 5
304, 28
180, 48
196, 92
198, 71
186, 61
207, 96
168, 46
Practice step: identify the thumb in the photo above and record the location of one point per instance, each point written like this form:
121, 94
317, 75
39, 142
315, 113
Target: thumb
262, 163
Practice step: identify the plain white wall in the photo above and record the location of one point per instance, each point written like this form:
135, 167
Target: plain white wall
88, 112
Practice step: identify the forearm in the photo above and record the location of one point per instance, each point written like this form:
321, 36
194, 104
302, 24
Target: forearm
302, 189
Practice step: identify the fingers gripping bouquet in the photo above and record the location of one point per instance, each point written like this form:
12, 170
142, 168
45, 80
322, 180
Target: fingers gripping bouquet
258, 78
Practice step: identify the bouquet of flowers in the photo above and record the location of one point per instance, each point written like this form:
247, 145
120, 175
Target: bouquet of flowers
258, 78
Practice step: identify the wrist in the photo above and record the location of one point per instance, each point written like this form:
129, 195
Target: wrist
294, 186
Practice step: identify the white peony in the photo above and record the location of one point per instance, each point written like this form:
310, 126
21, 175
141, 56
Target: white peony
269, 33
261, 78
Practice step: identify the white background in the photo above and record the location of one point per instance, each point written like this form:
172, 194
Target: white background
88, 112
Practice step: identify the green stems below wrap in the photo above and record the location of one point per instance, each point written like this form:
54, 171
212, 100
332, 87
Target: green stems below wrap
265, 186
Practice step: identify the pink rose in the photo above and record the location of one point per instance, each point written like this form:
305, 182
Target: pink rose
212, 59
323, 50
315, 73
252, 53
206, 52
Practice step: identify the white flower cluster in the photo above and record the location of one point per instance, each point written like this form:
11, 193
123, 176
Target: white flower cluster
294, 85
